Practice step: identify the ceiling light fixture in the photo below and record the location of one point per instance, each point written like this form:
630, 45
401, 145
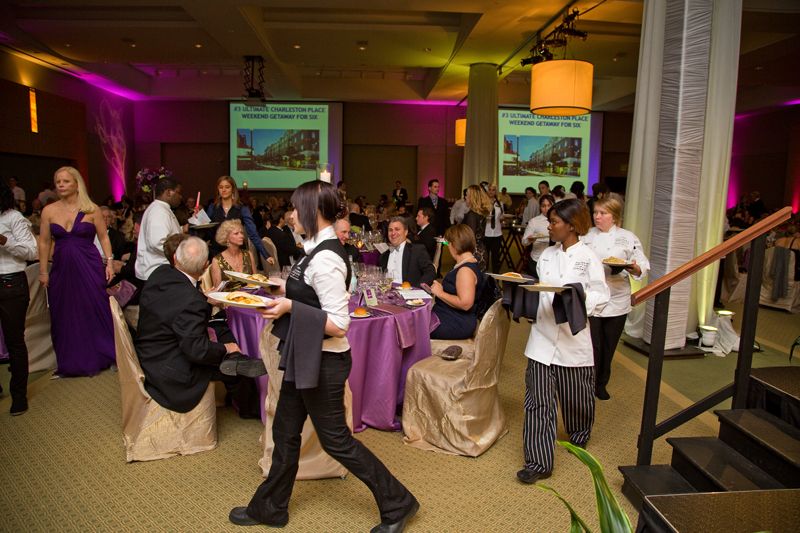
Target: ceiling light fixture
461, 132
198, 45
253, 75
362, 45
559, 87
296, 46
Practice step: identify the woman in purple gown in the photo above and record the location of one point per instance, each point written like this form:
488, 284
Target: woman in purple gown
80, 316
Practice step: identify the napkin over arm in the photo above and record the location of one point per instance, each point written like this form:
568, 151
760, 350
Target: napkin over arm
301, 353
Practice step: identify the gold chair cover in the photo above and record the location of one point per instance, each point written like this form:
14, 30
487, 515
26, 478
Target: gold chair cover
314, 462
453, 406
150, 431
41, 355
273, 252
790, 302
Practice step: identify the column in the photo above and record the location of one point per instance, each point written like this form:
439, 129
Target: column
480, 151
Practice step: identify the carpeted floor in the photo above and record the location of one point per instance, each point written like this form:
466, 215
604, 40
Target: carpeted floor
63, 468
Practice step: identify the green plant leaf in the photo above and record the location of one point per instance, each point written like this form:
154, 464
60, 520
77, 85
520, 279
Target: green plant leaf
611, 516
577, 525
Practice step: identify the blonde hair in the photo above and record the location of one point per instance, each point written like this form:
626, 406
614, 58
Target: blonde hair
232, 181
478, 200
85, 203
613, 206
225, 229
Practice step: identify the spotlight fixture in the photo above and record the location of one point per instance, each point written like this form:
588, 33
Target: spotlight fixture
362, 45
253, 75
198, 45
296, 46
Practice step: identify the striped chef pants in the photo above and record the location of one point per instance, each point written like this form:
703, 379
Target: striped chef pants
573, 387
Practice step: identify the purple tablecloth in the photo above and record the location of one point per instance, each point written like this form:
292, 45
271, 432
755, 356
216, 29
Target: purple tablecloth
383, 348
371, 258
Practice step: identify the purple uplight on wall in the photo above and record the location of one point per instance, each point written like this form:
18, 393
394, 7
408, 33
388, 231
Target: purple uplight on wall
111, 87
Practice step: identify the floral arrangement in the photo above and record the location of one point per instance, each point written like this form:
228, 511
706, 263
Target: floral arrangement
146, 179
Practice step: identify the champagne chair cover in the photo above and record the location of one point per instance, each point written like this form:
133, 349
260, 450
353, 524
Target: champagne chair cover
453, 406
790, 302
41, 355
314, 462
149, 431
437, 256
273, 252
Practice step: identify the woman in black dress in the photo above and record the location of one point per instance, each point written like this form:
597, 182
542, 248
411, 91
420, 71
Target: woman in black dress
316, 355
479, 207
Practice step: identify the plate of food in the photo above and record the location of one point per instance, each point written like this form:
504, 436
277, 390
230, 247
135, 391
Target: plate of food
239, 299
514, 277
360, 312
256, 279
204, 226
539, 287
415, 302
537, 236
616, 262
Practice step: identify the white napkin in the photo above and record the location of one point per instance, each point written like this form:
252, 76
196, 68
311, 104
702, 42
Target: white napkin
200, 218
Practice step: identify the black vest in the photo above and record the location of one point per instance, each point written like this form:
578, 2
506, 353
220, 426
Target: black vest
299, 291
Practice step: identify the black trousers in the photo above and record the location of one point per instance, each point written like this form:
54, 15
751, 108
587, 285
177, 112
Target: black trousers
325, 405
606, 331
532, 268
545, 387
14, 300
493, 253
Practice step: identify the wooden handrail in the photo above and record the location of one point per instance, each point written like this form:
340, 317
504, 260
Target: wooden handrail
714, 254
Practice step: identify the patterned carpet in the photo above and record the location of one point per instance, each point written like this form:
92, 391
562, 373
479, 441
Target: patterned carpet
64, 470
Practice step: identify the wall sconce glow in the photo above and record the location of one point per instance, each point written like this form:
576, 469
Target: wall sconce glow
34, 114
461, 132
561, 87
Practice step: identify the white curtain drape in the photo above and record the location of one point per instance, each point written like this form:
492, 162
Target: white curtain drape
480, 151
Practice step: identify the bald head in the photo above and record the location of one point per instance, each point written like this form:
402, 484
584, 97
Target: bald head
342, 229
191, 256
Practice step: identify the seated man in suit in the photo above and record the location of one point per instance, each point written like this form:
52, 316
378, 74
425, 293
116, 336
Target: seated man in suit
342, 228
283, 240
404, 260
359, 219
172, 343
426, 234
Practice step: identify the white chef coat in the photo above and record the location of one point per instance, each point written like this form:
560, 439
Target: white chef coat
158, 223
551, 343
537, 226
621, 243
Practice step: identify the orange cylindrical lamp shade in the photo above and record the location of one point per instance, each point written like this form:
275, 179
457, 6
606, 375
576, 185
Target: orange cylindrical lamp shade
461, 132
561, 87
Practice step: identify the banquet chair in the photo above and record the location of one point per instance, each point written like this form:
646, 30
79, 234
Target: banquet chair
437, 256
149, 431
273, 252
314, 462
791, 301
453, 406
41, 355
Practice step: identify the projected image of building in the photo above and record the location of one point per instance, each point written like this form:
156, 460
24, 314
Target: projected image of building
542, 156
277, 149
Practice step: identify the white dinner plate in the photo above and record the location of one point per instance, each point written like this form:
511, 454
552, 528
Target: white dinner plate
620, 265
538, 287
353, 315
512, 279
413, 303
239, 276
203, 226
222, 298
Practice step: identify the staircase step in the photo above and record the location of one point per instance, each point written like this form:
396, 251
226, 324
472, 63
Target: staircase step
650, 480
711, 465
766, 441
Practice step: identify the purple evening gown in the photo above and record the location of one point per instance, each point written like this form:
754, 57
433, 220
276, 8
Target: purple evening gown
80, 316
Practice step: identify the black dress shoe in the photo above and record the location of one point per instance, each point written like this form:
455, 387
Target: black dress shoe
400, 525
19, 407
602, 393
529, 476
239, 516
237, 364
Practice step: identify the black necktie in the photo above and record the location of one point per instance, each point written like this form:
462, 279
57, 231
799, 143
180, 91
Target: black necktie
493, 213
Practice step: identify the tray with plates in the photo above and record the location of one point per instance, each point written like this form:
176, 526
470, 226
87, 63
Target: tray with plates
203, 226
538, 287
616, 262
239, 299
254, 279
518, 278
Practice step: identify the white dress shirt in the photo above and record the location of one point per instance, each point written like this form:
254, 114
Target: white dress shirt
326, 275
621, 243
21, 244
531, 211
537, 226
459, 209
395, 264
551, 343
497, 230
158, 223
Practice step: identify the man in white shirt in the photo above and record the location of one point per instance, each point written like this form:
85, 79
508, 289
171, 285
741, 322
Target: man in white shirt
19, 192
158, 223
17, 246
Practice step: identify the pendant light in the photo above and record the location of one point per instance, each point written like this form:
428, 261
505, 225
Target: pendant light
561, 87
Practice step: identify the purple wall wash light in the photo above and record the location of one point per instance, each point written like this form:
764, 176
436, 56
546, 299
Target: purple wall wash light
108, 123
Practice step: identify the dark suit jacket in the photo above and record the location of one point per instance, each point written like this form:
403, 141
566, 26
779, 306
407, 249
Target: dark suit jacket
400, 197
172, 341
427, 238
362, 221
119, 246
417, 266
284, 243
441, 213
353, 252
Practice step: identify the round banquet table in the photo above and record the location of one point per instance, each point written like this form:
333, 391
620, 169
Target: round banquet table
383, 348
371, 258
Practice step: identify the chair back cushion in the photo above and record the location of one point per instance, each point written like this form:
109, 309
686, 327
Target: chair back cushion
273, 252
490, 345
